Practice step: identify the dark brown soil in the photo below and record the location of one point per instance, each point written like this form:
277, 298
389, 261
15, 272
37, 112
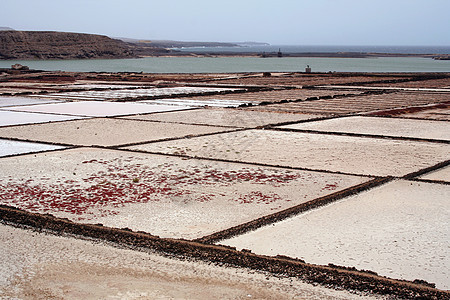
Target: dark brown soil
407, 110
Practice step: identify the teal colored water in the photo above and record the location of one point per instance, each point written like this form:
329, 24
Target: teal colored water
238, 64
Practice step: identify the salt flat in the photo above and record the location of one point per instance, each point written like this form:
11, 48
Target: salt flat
37, 266
225, 117
8, 147
165, 196
380, 126
440, 174
96, 108
8, 118
400, 230
103, 132
356, 155
108, 95
210, 102
358, 104
15, 101
167, 167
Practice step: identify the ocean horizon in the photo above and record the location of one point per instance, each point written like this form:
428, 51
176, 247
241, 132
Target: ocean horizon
257, 48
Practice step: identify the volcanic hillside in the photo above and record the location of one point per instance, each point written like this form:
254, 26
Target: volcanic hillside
59, 45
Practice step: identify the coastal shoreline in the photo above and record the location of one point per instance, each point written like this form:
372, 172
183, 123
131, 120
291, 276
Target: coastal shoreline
299, 54
260, 55
48, 45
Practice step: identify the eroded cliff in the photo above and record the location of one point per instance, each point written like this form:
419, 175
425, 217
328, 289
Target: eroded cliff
60, 45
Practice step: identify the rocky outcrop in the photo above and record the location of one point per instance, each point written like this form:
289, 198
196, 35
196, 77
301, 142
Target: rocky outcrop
60, 45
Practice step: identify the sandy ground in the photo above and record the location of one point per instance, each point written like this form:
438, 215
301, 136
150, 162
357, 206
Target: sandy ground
370, 156
164, 196
225, 117
13, 147
387, 230
441, 174
380, 126
104, 132
96, 108
39, 266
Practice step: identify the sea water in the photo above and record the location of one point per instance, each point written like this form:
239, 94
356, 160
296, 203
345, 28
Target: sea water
238, 64
322, 49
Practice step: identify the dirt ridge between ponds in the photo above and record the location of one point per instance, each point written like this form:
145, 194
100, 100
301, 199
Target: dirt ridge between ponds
329, 276
292, 211
410, 109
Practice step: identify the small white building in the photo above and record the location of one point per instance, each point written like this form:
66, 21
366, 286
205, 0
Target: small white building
307, 69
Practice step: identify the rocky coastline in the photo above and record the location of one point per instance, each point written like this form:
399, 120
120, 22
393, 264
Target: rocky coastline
46, 45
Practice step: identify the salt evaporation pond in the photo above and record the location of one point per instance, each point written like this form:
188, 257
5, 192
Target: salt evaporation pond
356, 155
69, 268
165, 196
8, 147
104, 132
116, 94
440, 175
210, 102
400, 230
8, 118
442, 114
97, 108
225, 117
380, 126
15, 101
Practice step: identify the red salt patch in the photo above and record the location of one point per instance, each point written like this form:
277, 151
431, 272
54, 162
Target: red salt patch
115, 187
330, 187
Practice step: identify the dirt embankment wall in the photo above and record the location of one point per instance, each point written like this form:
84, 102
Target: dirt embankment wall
331, 276
59, 45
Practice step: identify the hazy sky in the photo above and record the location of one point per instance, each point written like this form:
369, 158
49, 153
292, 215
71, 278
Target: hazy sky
294, 22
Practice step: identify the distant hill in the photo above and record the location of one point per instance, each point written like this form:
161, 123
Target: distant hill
60, 45
165, 47
176, 44
251, 44
67, 45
